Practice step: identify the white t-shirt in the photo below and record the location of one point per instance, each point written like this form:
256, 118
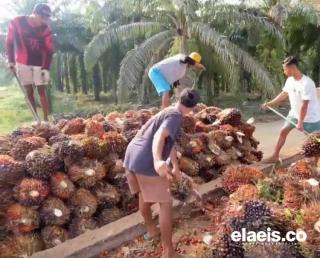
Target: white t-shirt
172, 69
304, 89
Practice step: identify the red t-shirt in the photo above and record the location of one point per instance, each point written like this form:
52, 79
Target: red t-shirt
29, 45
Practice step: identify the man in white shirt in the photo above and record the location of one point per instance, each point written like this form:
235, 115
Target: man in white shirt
305, 109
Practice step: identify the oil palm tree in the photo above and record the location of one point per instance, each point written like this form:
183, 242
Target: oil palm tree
166, 23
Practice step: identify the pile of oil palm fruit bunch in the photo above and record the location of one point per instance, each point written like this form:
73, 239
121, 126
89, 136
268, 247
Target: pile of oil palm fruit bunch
286, 200
58, 180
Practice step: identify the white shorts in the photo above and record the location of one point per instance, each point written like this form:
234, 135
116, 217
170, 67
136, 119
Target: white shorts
31, 75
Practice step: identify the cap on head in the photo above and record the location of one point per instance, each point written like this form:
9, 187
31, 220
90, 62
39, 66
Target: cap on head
42, 9
196, 57
291, 60
189, 98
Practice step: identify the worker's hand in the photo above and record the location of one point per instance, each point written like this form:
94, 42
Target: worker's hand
162, 169
265, 105
12, 67
177, 173
45, 75
300, 126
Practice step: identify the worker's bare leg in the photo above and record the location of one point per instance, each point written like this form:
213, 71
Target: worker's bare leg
30, 95
165, 100
165, 219
281, 141
44, 101
145, 209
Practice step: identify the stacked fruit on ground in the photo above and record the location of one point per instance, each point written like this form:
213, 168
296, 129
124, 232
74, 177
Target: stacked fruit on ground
59, 180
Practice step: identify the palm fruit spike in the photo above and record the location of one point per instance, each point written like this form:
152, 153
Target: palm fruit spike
21, 245
310, 213
189, 124
22, 219
91, 147
59, 138
86, 172
25, 145
94, 128
54, 212
42, 163
302, 169
311, 147
79, 226
235, 176
5, 145
224, 247
115, 142
61, 185
31, 192
84, 203
109, 215
291, 197
69, 151
45, 130
53, 236
231, 116
74, 126
189, 166
107, 195
245, 193
11, 171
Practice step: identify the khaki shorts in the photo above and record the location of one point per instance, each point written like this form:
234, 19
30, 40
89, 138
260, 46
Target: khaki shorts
31, 75
154, 189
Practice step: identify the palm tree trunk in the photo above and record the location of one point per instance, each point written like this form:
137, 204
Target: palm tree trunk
66, 73
83, 75
73, 73
96, 77
184, 45
115, 89
59, 79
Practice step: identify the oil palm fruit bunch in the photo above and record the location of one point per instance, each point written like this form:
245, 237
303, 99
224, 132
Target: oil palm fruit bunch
53, 236
130, 124
311, 146
115, 142
59, 138
205, 161
144, 115
61, 186
43, 162
301, 169
94, 128
91, 147
189, 166
235, 176
84, 204
61, 123
129, 203
221, 138
86, 172
189, 124
224, 247
22, 219
245, 193
199, 107
230, 116
79, 226
31, 192
11, 171
69, 151
6, 197
311, 223
20, 133
109, 215
107, 195
182, 190
53, 211
45, 130
208, 115
25, 145
5, 145
98, 117
21, 245
291, 196
74, 126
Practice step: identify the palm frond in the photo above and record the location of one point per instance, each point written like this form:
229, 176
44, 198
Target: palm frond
136, 60
111, 35
250, 16
230, 52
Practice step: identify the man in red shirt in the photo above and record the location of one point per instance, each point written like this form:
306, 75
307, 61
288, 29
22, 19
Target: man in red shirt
29, 47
